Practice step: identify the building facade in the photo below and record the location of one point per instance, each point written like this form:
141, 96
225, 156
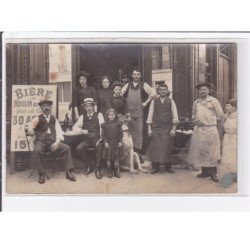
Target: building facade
180, 66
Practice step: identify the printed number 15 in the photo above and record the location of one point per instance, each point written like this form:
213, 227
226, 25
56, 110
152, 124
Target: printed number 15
22, 144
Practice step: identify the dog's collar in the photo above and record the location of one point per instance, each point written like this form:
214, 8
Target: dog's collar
125, 130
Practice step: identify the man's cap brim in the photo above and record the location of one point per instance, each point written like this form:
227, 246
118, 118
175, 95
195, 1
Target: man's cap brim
203, 84
43, 102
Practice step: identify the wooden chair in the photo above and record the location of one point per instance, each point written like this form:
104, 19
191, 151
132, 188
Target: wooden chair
47, 159
49, 162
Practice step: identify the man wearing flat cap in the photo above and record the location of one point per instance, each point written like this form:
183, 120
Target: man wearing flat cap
90, 124
204, 149
48, 139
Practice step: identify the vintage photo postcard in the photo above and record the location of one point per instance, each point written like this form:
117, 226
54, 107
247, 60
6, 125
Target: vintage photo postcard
120, 116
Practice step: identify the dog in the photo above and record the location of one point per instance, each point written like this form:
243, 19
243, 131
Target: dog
130, 156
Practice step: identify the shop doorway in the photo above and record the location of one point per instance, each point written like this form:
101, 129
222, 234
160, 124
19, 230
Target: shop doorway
114, 60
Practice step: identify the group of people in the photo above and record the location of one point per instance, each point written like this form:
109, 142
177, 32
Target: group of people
99, 116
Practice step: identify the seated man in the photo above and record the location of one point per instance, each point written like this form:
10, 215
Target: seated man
89, 124
48, 137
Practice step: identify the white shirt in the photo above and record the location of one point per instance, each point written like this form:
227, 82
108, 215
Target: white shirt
173, 109
135, 84
149, 90
34, 122
47, 119
213, 110
79, 124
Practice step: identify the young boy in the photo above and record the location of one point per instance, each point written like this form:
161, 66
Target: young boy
117, 102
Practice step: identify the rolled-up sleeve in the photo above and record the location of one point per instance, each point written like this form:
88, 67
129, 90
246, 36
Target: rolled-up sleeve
174, 113
100, 119
218, 109
32, 125
59, 132
78, 125
124, 89
150, 112
149, 90
101, 122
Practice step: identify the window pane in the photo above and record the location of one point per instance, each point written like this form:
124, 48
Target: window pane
161, 57
64, 91
59, 92
67, 92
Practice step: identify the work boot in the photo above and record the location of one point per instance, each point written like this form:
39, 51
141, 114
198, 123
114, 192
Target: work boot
140, 158
203, 173
88, 170
41, 178
70, 176
168, 167
213, 174
117, 172
155, 168
98, 174
110, 174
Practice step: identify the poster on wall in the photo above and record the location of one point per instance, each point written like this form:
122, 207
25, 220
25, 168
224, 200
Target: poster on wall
25, 99
59, 63
60, 73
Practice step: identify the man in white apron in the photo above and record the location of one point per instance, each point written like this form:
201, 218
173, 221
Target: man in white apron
204, 149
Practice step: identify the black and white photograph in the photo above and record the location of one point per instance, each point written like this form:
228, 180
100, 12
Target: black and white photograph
130, 118
121, 117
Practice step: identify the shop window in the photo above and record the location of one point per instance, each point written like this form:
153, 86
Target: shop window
157, 83
160, 57
225, 50
64, 92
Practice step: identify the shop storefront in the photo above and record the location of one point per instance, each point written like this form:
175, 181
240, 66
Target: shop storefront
180, 66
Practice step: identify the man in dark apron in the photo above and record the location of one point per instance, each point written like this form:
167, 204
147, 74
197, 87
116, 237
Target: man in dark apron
162, 122
138, 95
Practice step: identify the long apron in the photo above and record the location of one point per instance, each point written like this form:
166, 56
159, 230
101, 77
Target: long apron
134, 107
229, 148
205, 143
160, 147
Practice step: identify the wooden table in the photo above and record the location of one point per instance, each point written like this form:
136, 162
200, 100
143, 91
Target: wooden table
181, 146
